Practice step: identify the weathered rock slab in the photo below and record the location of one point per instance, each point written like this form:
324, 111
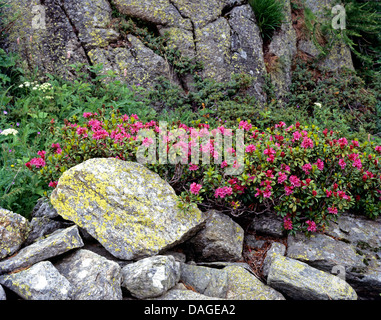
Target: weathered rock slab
130, 210
220, 240
14, 229
323, 252
92, 276
56, 243
42, 281
151, 277
208, 281
243, 285
300, 281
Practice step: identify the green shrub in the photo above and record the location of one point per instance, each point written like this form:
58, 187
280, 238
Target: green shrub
269, 15
347, 104
307, 175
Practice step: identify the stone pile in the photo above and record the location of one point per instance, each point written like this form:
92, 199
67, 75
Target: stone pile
114, 232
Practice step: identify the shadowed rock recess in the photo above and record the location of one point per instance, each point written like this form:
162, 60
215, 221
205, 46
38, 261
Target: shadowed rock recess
114, 232
221, 34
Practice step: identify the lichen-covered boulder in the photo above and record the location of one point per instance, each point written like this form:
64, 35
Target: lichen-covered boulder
243, 285
300, 281
130, 210
208, 281
323, 252
14, 229
56, 243
40, 282
220, 240
92, 276
151, 277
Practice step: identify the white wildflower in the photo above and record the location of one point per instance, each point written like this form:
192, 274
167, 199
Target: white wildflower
7, 132
317, 104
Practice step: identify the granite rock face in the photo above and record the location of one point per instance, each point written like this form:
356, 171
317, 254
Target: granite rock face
151, 277
14, 230
223, 35
303, 282
42, 281
130, 210
56, 243
91, 276
220, 240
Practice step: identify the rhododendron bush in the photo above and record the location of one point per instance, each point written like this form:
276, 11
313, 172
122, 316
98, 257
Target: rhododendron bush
307, 175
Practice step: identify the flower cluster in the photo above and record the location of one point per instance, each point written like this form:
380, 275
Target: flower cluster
8, 132
306, 175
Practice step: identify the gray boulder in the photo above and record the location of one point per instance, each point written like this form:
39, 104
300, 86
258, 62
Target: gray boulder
269, 224
43, 226
56, 243
300, 281
151, 277
208, 281
276, 248
2, 294
323, 252
130, 210
243, 285
14, 229
92, 276
220, 240
43, 209
40, 282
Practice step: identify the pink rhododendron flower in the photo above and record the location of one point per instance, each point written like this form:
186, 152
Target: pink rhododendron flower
195, 188
342, 164
287, 223
295, 181
53, 184
311, 226
100, 134
224, 164
378, 149
251, 148
87, 114
297, 135
223, 192
147, 142
357, 163
245, 125
306, 168
82, 131
267, 193
332, 210
37, 162
343, 142
307, 143
288, 190
355, 143
42, 154
320, 164
285, 167
193, 167
282, 177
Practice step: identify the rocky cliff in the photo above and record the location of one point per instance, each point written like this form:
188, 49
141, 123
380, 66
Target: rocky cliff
221, 34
